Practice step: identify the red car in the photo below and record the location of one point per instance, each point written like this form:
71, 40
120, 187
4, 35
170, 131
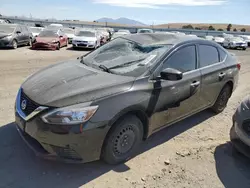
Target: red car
50, 39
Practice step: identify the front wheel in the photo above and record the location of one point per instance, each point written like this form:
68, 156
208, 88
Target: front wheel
123, 140
14, 44
58, 46
222, 99
244, 48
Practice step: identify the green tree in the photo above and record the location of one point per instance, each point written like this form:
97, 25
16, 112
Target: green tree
187, 26
211, 28
197, 28
220, 29
229, 27
235, 30
243, 30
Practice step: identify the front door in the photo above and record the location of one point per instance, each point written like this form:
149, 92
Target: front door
178, 99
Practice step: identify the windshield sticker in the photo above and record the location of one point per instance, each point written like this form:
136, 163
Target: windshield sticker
147, 60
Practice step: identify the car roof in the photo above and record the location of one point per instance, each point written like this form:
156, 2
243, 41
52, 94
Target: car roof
10, 24
161, 38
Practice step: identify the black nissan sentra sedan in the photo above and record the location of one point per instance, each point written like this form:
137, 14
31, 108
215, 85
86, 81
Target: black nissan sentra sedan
104, 104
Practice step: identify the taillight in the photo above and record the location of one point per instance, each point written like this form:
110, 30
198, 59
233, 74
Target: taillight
238, 66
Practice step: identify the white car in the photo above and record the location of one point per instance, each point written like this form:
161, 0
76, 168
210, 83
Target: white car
3, 21
191, 35
86, 39
118, 34
219, 39
70, 34
209, 37
234, 43
124, 31
36, 30
54, 26
145, 31
104, 35
178, 33
246, 38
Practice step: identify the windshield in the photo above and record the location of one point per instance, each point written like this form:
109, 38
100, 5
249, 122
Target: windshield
7, 28
85, 34
124, 57
145, 31
35, 30
237, 39
69, 31
48, 33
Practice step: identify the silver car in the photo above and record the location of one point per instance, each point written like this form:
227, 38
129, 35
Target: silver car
235, 43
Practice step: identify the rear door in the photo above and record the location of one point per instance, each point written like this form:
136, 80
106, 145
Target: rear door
25, 34
184, 92
19, 36
213, 70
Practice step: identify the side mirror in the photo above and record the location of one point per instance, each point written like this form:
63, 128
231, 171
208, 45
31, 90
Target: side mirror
18, 32
61, 36
171, 74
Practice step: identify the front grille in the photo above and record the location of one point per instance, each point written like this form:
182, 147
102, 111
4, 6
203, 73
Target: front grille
82, 41
66, 153
81, 44
30, 105
246, 127
239, 44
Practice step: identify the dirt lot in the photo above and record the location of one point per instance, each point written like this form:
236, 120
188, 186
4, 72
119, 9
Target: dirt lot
193, 153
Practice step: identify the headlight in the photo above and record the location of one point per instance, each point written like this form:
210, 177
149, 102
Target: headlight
70, 115
8, 37
53, 41
91, 42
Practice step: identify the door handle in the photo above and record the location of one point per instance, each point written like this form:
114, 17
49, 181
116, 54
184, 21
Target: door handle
221, 75
195, 84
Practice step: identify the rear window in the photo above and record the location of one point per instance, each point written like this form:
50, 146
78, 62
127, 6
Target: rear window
208, 55
223, 55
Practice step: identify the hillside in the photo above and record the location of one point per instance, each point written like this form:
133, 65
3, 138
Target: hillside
123, 21
200, 25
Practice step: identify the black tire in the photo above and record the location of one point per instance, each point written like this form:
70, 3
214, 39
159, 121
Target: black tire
221, 102
58, 46
14, 44
244, 48
122, 140
67, 42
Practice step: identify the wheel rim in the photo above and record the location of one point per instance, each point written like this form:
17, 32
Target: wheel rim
14, 44
124, 141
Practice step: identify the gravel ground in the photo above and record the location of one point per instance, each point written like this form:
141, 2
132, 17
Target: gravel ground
195, 152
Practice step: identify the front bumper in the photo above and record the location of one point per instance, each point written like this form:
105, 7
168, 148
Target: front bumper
44, 46
5, 43
83, 45
53, 143
240, 140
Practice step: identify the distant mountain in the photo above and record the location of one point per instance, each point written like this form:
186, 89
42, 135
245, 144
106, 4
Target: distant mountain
124, 21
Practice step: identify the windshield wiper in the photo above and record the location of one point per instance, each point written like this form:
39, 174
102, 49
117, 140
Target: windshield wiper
104, 68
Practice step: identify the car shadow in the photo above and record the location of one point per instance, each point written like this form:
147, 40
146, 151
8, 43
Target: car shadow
20, 168
78, 49
232, 167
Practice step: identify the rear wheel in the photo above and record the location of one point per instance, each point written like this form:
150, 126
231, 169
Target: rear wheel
30, 42
244, 48
14, 44
123, 140
222, 99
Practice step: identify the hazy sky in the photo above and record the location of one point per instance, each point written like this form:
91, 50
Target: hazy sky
147, 11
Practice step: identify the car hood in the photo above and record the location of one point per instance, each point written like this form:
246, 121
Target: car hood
70, 35
71, 82
2, 35
218, 39
46, 39
84, 38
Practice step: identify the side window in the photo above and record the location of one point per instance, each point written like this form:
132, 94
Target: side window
208, 55
183, 60
223, 54
23, 29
